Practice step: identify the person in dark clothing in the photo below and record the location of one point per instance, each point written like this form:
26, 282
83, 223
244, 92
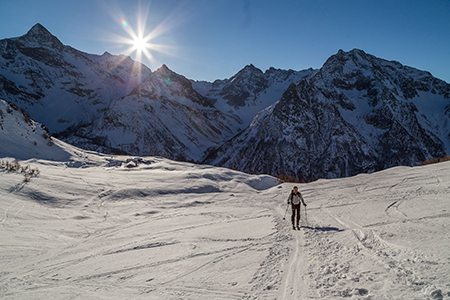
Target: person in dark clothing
295, 199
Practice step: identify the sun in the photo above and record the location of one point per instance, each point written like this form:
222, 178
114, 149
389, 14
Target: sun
140, 44
145, 40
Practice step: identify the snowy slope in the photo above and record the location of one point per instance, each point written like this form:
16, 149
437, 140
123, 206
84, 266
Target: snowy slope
23, 138
377, 236
93, 228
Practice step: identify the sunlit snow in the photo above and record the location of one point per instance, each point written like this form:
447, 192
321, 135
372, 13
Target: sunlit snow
89, 227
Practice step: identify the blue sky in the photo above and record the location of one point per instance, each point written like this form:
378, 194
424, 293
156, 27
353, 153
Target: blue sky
214, 39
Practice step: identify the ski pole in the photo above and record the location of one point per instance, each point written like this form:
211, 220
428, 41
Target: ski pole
306, 216
284, 218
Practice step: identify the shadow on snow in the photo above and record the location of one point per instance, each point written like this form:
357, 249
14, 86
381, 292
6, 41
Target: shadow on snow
319, 228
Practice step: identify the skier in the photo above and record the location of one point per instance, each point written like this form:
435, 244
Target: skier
294, 198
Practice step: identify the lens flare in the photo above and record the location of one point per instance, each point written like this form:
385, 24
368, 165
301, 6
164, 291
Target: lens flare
145, 35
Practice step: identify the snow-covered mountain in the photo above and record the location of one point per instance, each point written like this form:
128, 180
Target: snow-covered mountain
112, 104
60, 86
250, 90
358, 113
163, 116
167, 114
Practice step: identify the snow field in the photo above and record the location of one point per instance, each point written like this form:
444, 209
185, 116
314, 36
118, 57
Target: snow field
381, 236
92, 228
162, 230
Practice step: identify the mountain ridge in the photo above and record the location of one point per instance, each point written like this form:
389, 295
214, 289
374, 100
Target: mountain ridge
49, 79
357, 113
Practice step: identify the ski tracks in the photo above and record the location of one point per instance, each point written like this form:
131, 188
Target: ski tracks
366, 264
295, 281
7, 211
295, 277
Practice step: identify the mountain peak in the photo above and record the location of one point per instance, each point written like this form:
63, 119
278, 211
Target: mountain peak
38, 29
353, 59
354, 53
39, 36
248, 70
170, 76
252, 68
163, 68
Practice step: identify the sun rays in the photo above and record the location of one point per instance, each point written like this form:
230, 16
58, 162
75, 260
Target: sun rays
144, 40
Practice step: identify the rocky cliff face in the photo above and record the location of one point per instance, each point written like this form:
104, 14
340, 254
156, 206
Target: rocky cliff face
358, 113
401, 111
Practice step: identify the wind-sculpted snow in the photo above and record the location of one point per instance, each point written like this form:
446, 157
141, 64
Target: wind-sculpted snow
391, 222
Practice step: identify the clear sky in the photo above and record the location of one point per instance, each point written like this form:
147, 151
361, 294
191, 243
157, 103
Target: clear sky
214, 39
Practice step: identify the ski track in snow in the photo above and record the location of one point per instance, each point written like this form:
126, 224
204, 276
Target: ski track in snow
171, 230
295, 282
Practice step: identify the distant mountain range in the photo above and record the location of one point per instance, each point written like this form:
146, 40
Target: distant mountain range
358, 113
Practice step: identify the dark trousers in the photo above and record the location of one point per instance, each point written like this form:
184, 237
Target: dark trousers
295, 211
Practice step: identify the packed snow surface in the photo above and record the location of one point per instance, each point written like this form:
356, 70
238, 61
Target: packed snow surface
116, 227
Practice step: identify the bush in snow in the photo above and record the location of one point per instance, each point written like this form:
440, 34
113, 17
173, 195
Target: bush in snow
435, 160
286, 178
14, 166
